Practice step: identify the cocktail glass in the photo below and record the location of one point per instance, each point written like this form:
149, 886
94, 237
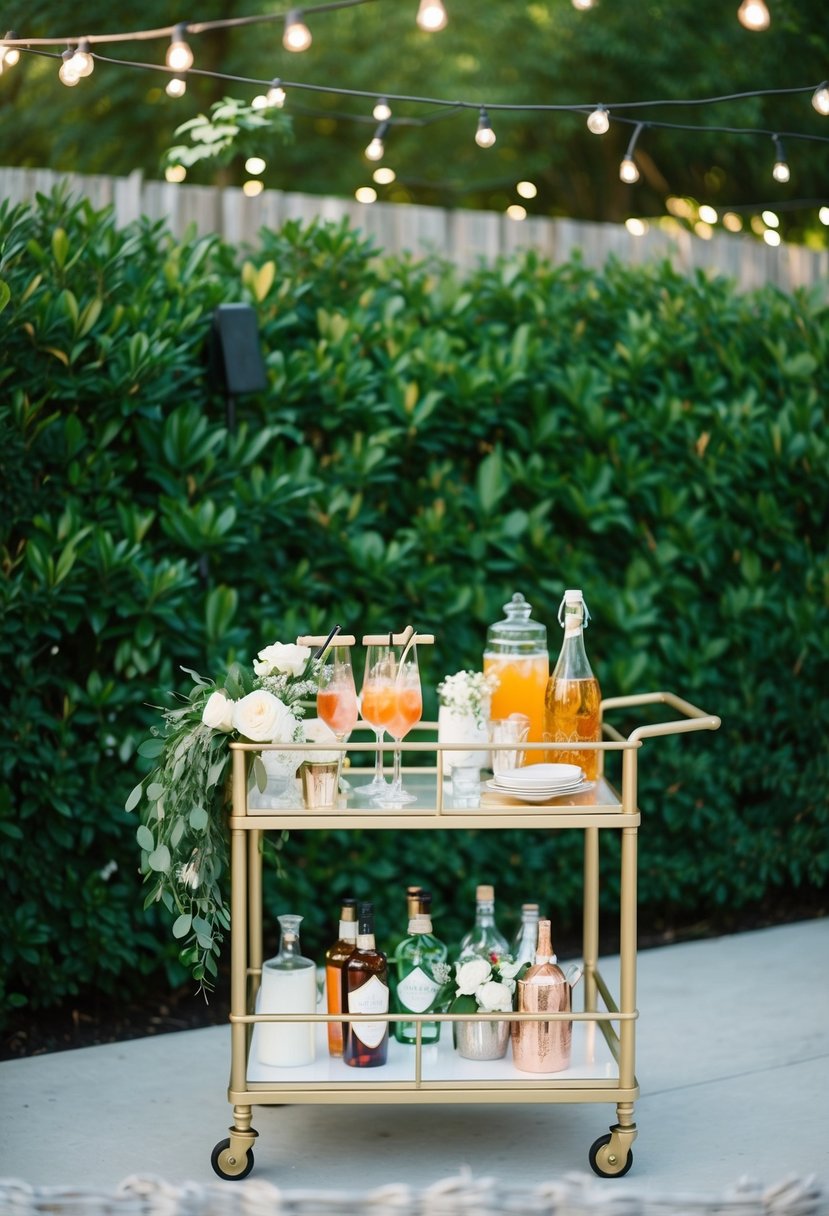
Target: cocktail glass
337, 697
397, 704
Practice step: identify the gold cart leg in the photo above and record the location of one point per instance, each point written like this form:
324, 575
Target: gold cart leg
232, 1159
590, 928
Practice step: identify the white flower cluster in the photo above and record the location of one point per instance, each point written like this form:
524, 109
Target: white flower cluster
468, 692
265, 715
491, 985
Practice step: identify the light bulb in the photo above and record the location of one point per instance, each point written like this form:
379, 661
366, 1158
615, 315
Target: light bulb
382, 110
179, 55
431, 16
772, 238
67, 73
781, 172
254, 165
297, 36
527, 189
384, 176
375, 149
599, 121
9, 55
82, 60
820, 98
628, 171
754, 15
708, 214
484, 136
365, 194
275, 96
176, 87
583, 5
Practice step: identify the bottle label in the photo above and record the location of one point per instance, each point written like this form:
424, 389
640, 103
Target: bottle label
372, 997
417, 991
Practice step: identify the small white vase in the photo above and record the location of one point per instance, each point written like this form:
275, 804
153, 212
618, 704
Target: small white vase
458, 727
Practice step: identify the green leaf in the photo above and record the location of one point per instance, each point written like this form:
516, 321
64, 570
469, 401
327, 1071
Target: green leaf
181, 926
150, 748
145, 838
159, 860
135, 797
60, 247
260, 773
198, 819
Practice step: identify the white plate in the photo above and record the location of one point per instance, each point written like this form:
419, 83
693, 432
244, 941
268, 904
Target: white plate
535, 789
534, 796
543, 775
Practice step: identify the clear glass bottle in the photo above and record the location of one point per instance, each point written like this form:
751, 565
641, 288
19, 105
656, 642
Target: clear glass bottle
289, 985
516, 652
366, 990
335, 959
524, 943
485, 939
572, 712
421, 973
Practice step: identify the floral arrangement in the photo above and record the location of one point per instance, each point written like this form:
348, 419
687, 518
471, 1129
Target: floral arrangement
182, 835
468, 692
484, 985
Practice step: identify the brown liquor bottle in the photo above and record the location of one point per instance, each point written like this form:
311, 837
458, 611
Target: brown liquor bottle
366, 990
335, 960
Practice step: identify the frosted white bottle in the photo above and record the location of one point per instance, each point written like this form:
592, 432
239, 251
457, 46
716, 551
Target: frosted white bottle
289, 985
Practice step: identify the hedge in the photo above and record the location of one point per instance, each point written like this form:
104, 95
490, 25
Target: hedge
429, 442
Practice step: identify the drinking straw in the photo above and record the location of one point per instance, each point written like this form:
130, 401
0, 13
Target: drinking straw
408, 647
320, 653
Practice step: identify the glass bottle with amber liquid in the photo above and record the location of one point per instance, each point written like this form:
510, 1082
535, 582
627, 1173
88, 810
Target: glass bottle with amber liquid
335, 960
366, 990
572, 711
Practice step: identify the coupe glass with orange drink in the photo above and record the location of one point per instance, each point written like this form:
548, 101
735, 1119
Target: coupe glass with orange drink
392, 701
516, 653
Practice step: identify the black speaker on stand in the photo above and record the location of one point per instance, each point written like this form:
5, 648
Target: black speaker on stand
234, 356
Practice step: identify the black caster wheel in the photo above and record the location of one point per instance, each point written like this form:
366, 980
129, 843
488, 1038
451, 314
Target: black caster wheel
231, 1168
599, 1163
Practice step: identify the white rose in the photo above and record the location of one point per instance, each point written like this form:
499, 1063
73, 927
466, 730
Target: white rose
317, 731
218, 712
469, 976
493, 997
508, 969
261, 717
282, 657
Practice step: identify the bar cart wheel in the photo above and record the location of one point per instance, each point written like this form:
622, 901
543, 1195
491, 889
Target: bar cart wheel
609, 1164
231, 1166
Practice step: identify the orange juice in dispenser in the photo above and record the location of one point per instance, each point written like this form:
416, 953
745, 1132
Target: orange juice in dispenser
516, 652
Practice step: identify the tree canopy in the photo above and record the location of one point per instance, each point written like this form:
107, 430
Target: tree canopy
523, 53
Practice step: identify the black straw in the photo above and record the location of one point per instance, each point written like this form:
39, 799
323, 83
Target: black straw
327, 642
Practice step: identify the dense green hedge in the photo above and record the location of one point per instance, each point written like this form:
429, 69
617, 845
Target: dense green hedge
429, 443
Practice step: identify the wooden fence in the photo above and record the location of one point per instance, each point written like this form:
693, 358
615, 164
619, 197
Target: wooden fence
464, 237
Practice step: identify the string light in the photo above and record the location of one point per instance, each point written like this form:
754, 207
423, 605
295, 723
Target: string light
583, 5
516, 212
628, 172
484, 136
82, 61
176, 86
365, 194
384, 176
820, 99
780, 172
376, 148
179, 55
754, 15
382, 111
527, 189
771, 219
273, 99
707, 214
9, 55
599, 121
297, 36
66, 72
255, 166
431, 16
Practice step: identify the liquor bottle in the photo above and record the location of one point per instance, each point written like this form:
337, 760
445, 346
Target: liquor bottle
524, 943
516, 652
335, 959
571, 703
424, 908
289, 985
366, 990
422, 974
485, 940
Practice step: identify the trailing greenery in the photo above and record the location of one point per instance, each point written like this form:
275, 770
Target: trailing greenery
429, 443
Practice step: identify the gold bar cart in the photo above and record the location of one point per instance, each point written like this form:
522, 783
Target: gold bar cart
603, 1065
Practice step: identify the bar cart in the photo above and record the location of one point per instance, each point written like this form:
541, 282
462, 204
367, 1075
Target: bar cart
603, 1056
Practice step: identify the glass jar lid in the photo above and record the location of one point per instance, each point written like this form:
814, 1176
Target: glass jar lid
517, 633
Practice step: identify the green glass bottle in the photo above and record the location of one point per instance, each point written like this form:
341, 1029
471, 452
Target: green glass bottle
422, 974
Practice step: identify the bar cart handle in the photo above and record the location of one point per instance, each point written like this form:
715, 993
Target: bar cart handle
695, 718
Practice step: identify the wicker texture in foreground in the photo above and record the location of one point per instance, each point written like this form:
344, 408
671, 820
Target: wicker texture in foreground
575, 1195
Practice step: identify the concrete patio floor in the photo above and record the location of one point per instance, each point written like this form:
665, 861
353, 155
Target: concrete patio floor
733, 1064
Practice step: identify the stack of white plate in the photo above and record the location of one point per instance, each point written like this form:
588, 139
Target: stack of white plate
540, 782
